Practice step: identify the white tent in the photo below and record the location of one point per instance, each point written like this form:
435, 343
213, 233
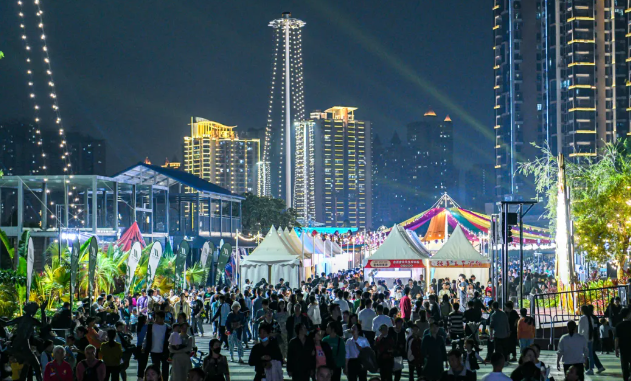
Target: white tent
397, 252
457, 256
272, 260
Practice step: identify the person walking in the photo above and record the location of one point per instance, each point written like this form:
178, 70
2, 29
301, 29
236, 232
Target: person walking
587, 330
264, 353
398, 335
58, 369
500, 330
156, 343
414, 353
573, 350
181, 355
384, 349
525, 330
90, 368
365, 318
112, 355
623, 343
353, 369
221, 315
338, 349
405, 305
235, 322
300, 354
215, 364
435, 353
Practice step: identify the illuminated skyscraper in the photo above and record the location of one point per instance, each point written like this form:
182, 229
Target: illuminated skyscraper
334, 168
216, 154
286, 105
562, 76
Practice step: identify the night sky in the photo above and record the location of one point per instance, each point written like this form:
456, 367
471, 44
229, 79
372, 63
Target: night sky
135, 71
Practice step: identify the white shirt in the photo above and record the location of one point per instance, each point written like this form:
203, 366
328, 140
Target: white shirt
157, 336
366, 317
352, 352
583, 327
379, 320
496, 376
313, 311
573, 349
342, 303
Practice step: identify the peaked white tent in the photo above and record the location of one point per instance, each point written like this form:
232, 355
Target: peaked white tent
398, 252
458, 256
272, 259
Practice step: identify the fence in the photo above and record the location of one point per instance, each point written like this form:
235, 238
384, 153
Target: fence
554, 310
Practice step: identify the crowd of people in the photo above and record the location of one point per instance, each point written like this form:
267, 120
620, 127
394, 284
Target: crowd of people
327, 326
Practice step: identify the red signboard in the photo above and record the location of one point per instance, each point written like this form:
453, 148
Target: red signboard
394, 263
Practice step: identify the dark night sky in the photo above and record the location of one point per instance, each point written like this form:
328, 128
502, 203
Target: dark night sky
134, 71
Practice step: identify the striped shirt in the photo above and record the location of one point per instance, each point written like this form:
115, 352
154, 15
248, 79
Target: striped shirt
456, 322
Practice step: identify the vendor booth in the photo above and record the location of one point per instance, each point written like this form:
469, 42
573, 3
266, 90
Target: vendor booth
272, 259
457, 256
397, 257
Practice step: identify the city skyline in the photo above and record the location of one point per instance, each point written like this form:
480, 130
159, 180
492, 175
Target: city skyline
146, 107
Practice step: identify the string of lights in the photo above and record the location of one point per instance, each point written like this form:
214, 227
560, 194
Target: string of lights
31, 85
47, 69
266, 176
51, 84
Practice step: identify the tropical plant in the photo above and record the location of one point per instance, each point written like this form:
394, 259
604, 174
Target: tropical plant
261, 212
600, 200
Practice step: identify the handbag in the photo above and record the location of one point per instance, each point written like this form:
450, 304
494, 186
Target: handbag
398, 364
368, 359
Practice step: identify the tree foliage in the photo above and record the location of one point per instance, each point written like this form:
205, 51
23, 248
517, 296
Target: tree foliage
600, 199
260, 213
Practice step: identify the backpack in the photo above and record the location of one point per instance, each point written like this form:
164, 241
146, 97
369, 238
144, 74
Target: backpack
89, 372
368, 359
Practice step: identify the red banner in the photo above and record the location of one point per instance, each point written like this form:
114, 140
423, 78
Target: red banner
394, 263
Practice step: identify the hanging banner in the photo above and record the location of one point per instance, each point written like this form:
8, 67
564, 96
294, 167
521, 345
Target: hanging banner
93, 251
180, 263
207, 260
222, 261
132, 262
74, 268
152, 265
30, 260
394, 263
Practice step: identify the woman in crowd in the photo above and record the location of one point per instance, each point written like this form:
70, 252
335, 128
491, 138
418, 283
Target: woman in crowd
215, 364
281, 318
58, 369
573, 350
180, 357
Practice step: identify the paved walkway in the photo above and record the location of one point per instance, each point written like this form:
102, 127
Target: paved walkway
243, 372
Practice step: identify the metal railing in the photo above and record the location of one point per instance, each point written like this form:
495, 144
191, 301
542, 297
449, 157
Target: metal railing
554, 310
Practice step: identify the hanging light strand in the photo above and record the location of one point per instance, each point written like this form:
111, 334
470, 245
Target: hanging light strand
31, 87
51, 83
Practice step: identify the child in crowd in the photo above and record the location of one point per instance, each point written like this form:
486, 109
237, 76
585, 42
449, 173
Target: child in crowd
133, 319
606, 335
471, 358
71, 350
175, 340
488, 298
16, 368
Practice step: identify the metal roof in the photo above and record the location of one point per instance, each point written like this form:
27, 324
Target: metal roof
148, 174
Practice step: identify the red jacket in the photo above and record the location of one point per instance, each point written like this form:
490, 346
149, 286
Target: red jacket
406, 307
58, 372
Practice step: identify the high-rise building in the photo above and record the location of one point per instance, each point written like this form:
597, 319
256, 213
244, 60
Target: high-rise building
25, 149
215, 153
392, 184
517, 87
561, 78
286, 105
432, 162
333, 177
